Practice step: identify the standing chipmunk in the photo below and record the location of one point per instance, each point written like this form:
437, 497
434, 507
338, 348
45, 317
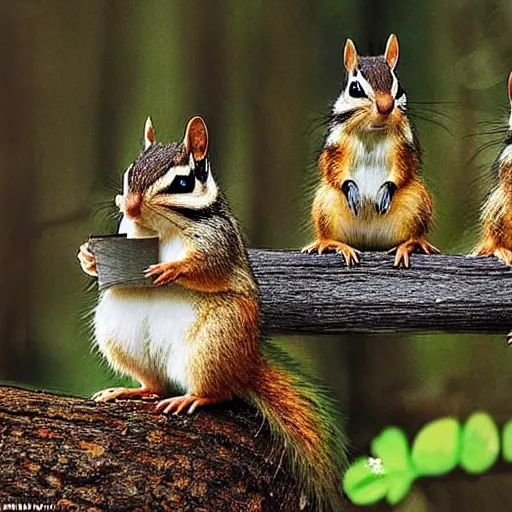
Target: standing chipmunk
201, 332
371, 196
496, 216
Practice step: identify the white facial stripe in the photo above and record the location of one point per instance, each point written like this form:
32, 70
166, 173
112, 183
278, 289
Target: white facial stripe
402, 102
125, 179
335, 135
394, 85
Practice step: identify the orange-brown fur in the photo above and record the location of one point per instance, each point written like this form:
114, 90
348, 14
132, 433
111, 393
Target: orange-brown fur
370, 196
410, 213
496, 238
276, 388
226, 340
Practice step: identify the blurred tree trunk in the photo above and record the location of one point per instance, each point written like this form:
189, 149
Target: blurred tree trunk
16, 188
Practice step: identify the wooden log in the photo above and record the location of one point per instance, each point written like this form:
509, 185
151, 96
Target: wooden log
75, 454
318, 294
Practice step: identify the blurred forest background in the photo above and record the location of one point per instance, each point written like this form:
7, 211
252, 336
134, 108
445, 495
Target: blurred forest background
77, 80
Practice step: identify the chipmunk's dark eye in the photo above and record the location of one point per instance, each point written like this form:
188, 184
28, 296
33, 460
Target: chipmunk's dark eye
399, 93
181, 184
355, 90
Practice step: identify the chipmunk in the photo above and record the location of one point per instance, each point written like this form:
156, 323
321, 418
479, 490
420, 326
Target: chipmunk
496, 214
201, 332
370, 196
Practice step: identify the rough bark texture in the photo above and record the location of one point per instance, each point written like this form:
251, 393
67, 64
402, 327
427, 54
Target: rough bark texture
80, 455
318, 294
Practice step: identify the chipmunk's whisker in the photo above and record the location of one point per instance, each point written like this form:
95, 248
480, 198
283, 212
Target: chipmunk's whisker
425, 117
485, 147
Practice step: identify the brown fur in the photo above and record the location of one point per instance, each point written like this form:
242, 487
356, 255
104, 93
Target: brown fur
377, 72
278, 389
334, 163
496, 237
226, 343
410, 215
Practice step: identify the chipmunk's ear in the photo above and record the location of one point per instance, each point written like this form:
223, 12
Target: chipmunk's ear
196, 138
391, 53
149, 134
510, 87
350, 55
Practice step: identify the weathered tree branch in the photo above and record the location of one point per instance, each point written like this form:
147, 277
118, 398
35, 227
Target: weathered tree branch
124, 456
318, 294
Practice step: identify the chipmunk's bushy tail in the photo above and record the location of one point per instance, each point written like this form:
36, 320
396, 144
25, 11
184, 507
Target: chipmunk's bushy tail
303, 418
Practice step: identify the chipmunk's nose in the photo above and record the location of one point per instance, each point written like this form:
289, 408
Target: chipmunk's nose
385, 103
132, 204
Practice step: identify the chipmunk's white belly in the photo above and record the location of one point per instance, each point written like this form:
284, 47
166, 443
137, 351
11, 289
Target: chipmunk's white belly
150, 327
370, 170
370, 167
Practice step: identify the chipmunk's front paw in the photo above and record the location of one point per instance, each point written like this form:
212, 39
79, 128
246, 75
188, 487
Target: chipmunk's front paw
350, 254
403, 251
87, 260
167, 272
490, 249
504, 255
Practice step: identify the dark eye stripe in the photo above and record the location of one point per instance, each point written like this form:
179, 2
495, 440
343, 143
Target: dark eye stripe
201, 170
356, 90
400, 92
181, 185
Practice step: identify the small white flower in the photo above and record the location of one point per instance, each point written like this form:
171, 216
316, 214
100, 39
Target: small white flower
375, 466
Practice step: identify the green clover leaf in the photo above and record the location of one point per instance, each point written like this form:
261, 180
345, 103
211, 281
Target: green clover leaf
364, 483
392, 447
507, 441
437, 446
480, 443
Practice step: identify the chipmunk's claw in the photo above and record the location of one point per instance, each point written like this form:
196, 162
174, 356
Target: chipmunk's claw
167, 272
350, 254
385, 196
178, 404
404, 250
489, 249
351, 191
87, 260
504, 255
